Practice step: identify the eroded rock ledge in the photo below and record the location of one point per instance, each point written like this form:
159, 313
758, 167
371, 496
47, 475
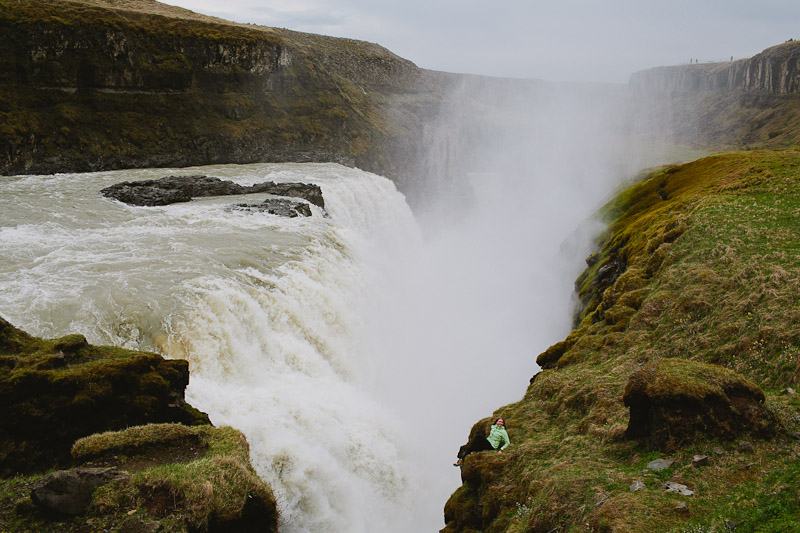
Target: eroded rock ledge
176, 189
676, 401
54, 392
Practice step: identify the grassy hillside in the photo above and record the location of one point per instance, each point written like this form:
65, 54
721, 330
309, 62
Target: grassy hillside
693, 300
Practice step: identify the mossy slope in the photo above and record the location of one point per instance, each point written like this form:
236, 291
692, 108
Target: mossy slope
56, 391
698, 280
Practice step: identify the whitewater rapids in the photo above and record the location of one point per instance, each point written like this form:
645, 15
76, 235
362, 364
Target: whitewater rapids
352, 352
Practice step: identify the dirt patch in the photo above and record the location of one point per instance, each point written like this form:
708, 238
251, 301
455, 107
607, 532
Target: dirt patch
161, 499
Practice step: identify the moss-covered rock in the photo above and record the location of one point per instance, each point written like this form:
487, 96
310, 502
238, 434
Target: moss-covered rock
674, 402
165, 477
56, 391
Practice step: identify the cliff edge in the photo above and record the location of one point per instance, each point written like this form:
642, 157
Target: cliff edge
776, 70
132, 454
88, 85
744, 104
672, 405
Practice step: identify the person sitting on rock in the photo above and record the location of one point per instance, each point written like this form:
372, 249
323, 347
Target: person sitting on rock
496, 440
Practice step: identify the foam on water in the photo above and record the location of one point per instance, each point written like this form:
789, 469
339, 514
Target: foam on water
271, 313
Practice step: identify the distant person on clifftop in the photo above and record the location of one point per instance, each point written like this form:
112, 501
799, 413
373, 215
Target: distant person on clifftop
496, 440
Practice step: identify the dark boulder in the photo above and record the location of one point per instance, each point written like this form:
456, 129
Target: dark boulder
673, 402
175, 189
278, 206
70, 491
306, 191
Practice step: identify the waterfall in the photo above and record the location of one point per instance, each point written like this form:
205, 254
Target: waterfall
354, 350
272, 313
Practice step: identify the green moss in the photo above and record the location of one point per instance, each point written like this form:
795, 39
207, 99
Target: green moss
681, 378
55, 391
708, 301
186, 478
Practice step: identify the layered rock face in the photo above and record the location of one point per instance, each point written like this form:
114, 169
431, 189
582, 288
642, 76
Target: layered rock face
776, 70
84, 87
744, 104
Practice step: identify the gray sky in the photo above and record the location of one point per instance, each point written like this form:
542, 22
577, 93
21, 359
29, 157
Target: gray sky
566, 40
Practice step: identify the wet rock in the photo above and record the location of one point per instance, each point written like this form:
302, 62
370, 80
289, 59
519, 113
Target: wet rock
610, 271
175, 189
306, 191
636, 486
678, 488
70, 491
278, 206
676, 401
700, 460
257, 515
593, 259
658, 465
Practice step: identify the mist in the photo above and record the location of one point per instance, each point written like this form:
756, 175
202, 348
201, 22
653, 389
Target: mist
515, 171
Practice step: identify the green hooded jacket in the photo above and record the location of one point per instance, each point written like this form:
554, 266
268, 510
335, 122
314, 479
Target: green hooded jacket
497, 435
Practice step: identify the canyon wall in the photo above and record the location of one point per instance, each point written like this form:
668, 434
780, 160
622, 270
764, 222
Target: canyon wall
85, 87
776, 70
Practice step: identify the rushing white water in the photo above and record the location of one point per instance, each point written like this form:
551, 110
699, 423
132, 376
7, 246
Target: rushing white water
271, 313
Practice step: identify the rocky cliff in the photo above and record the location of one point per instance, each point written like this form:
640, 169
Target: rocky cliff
776, 70
146, 460
749, 103
88, 85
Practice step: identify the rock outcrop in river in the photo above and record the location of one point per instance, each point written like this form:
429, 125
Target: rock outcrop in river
177, 189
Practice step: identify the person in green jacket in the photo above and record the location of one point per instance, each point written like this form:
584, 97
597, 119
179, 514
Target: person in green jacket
496, 440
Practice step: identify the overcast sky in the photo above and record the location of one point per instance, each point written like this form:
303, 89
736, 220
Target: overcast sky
557, 40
